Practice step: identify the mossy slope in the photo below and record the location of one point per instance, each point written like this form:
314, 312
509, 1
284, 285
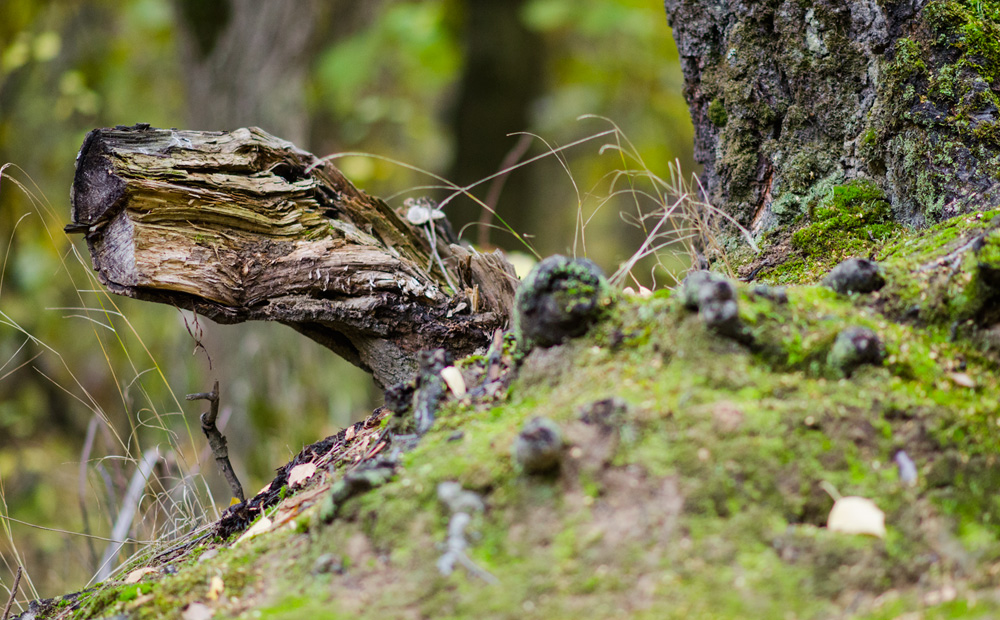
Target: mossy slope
702, 491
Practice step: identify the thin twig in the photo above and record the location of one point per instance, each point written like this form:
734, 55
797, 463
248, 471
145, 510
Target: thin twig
217, 440
13, 591
196, 332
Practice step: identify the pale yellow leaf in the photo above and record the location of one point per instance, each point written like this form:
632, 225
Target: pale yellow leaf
453, 377
962, 379
856, 515
137, 575
258, 528
300, 473
215, 588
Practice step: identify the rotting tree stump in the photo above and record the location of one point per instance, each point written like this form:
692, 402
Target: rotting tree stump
241, 226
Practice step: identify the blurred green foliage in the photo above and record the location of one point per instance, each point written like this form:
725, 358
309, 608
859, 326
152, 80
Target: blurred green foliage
70, 354
383, 85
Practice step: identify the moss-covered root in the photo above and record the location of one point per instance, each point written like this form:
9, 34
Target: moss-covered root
560, 299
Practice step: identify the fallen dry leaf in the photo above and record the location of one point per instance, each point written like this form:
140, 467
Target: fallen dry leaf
453, 377
137, 575
962, 379
300, 473
258, 528
215, 588
291, 507
197, 611
856, 515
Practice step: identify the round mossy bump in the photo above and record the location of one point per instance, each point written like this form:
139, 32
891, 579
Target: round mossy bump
538, 447
560, 299
855, 346
714, 298
701, 285
855, 275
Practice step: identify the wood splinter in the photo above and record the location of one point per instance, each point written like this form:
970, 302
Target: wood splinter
220, 449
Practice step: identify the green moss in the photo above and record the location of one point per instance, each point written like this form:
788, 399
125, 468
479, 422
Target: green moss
908, 60
132, 592
559, 299
974, 28
851, 215
932, 119
703, 496
937, 275
988, 132
717, 113
945, 83
846, 221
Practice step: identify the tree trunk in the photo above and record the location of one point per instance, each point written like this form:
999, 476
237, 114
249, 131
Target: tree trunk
791, 99
501, 79
246, 62
242, 226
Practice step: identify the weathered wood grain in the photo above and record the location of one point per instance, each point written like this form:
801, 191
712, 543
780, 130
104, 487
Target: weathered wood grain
242, 226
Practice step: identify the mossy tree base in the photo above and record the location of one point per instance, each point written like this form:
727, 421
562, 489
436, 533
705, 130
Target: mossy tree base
242, 226
790, 99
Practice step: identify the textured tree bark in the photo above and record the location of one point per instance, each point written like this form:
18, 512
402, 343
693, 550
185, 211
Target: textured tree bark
240, 226
790, 99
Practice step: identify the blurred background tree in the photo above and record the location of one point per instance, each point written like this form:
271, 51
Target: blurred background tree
89, 382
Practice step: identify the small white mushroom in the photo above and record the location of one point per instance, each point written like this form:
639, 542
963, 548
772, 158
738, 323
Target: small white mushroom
422, 211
